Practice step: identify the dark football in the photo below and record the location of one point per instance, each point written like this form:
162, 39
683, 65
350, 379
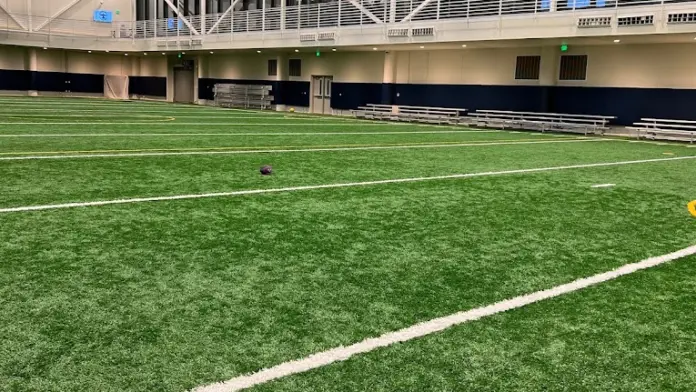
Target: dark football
266, 170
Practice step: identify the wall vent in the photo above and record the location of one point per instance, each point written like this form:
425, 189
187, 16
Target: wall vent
308, 37
643, 20
685, 17
600, 21
327, 36
397, 33
422, 31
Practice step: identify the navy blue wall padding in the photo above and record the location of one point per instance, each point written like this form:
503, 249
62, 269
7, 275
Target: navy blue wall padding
627, 104
49, 81
352, 95
153, 86
285, 92
15, 80
472, 97
85, 83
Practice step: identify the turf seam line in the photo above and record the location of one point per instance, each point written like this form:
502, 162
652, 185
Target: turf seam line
330, 186
419, 330
281, 150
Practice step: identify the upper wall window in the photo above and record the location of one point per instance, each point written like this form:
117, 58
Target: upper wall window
272, 67
295, 67
573, 67
527, 67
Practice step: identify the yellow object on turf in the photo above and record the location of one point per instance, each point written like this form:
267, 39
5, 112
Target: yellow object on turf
292, 110
692, 208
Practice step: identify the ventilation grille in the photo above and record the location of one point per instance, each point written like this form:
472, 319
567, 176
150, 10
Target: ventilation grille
423, 32
689, 17
196, 42
527, 67
644, 20
308, 37
600, 21
327, 36
573, 67
397, 33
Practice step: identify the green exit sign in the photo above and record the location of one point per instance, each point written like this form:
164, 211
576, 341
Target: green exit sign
564, 48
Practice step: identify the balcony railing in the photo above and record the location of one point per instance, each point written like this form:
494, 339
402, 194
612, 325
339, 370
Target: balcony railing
339, 13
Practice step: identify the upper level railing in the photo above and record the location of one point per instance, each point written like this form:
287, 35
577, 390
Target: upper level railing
338, 13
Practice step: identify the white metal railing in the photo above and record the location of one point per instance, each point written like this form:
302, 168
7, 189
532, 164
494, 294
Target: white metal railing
336, 13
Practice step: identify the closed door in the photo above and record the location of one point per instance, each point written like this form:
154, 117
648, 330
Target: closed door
321, 94
183, 85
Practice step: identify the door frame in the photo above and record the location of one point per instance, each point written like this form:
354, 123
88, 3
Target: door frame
312, 86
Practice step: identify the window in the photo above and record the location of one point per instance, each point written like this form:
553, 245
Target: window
273, 67
573, 68
527, 67
295, 67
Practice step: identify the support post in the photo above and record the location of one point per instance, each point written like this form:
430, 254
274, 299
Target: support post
388, 78
203, 15
32, 66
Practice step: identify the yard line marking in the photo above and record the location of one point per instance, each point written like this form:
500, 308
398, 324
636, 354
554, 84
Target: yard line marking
330, 186
154, 122
276, 151
169, 116
430, 327
603, 186
232, 148
239, 134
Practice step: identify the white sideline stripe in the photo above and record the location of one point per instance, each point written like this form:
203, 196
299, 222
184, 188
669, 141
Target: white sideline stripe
328, 186
328, 357
172, 123
236, 134
603, 185
271, 151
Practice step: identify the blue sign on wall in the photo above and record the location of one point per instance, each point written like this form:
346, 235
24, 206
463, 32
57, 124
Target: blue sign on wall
102, 16
172, 25
578, 3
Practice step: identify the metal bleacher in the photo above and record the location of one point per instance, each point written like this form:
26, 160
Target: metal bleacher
664, 129
248, 96
535, 121
425, 114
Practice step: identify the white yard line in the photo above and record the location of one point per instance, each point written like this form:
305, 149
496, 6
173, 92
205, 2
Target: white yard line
328, 357
277, 151
603, 186
171, 123
331, 186
39, 135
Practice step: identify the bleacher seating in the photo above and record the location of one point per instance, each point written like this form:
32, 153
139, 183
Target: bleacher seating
534, 121
656, 128
424, 114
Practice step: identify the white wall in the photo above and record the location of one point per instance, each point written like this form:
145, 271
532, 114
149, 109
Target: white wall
98, 63
153, 66
465, 66
655, 66
366, 67
12, 57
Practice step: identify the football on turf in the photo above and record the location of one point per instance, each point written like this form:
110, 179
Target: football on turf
266, 170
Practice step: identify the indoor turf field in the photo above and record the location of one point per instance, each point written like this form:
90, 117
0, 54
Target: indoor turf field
141, 250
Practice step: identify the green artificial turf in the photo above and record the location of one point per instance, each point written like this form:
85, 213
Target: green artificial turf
166, 296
